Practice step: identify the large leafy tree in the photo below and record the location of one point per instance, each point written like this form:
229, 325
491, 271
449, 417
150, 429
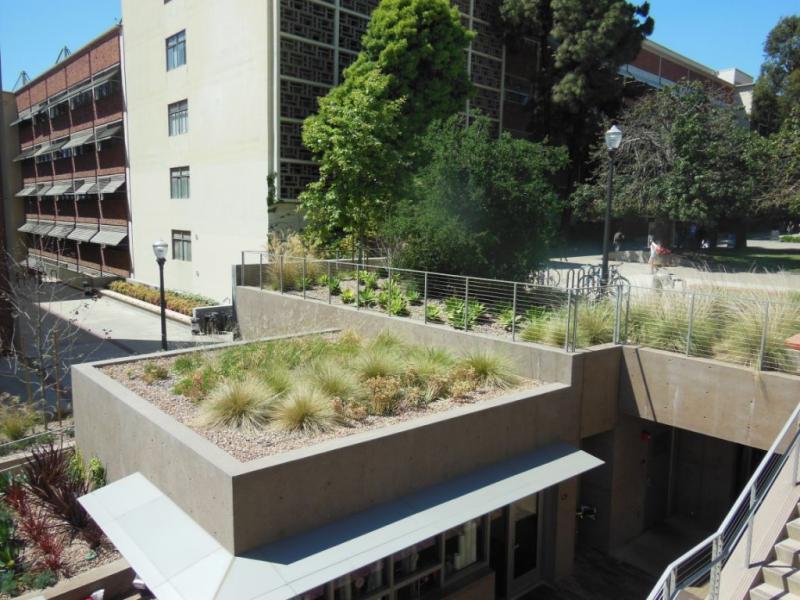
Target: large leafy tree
685, 156
479, 205
781, 170
777, 90
580, 47
411, 70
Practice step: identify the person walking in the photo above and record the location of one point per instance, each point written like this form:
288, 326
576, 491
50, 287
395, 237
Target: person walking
619, 238
654, 251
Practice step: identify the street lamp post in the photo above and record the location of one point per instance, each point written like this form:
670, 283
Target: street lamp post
613, 141
160, 250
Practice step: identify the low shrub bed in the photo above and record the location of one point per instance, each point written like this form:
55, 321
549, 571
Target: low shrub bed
45, 533
178, 301
790, 238
260, 398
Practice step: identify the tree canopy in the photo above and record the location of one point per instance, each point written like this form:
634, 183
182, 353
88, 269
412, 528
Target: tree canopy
479, 204
781, 170
581, 46
411, 70
777, 90
686, 155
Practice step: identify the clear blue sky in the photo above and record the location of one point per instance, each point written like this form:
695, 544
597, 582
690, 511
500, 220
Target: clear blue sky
718, 33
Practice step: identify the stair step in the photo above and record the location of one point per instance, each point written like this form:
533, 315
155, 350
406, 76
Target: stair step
766, 591
782, 576
788, 551
793, 528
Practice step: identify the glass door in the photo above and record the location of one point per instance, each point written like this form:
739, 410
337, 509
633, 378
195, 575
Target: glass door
525, 542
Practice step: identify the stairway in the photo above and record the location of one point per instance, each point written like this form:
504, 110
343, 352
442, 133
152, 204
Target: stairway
781, 577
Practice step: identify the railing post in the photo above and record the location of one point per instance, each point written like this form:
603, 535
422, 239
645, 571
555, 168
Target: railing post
242, 277
627, 311
466, 302
358, 286
797, 461
763, 346
575, 323
618, 314
329, 282
425, 299
750, 518
260, 271
716, 567
514, 314
569, 315
690, 325
673, 582
280, 271
304, 276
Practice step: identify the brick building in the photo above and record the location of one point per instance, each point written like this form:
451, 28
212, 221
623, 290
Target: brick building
72, 161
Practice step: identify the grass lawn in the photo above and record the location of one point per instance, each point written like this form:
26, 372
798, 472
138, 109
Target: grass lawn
748, 259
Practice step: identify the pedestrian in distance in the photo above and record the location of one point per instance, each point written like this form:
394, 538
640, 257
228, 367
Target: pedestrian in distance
619, 238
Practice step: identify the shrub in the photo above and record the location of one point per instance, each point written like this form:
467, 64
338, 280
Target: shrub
414, 297
382, 395
278, 379
369, 279
454, 307
335, 286
186, 363
790, 238
367, 297
307, 409
546, 326
293, 248
96, 473
198, 384
595, 322
427, 363
153, 372
244, 404
506, 318
433, 313
178, 301
397, 306
17, 419
348, 296
489, 370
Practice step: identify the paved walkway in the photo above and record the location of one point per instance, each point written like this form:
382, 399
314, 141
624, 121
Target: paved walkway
94, 329
639, 274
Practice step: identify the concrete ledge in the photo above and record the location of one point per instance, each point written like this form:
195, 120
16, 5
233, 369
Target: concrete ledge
171, 314
115, 578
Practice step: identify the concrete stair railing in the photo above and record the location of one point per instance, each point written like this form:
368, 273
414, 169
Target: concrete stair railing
781, 576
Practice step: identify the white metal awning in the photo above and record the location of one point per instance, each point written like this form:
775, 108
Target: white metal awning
28, 190
27, 227
61, 230
110, 235
42, 227
109, 185
108, 131
43, 149
24, 115
179, 560
27, 153
79, 139
89, 186
59, 188
83, 232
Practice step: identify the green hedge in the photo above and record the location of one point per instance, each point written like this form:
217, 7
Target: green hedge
790, 238
178, 301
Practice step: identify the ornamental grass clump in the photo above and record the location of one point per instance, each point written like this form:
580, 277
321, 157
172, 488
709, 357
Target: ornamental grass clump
334, 380
244, 404
490, 370
305, 408
595, 322
379, 363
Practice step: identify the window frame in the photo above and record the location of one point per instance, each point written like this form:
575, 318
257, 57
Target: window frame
179, 183
178, 118
181, 243
176, 50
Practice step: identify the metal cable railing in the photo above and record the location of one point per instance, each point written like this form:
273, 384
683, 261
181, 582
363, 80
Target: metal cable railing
703, 564
750, 329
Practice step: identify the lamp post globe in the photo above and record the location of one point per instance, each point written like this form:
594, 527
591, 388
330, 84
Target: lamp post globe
160, 248
613, 139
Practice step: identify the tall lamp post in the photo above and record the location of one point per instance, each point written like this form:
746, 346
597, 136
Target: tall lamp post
613, 141
160, 250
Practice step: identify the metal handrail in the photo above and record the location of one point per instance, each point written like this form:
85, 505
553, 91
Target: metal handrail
723, 541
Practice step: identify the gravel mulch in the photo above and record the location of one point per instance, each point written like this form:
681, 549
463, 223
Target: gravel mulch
246, 447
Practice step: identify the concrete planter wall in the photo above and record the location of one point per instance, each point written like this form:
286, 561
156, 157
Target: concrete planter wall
245, 505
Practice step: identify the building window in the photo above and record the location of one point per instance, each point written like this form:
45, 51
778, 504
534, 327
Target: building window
176, 50
107, 88
181, 245
178, 117
179, 182
81, 99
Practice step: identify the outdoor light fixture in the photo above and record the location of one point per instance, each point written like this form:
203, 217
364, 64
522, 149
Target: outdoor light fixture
613, 142
160, 248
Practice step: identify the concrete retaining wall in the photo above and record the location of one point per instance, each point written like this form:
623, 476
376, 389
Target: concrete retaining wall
115, 578
706, 396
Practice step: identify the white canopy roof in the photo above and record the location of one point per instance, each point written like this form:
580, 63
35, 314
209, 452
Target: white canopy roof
179, 560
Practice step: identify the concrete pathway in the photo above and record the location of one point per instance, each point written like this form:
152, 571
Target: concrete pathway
639, 274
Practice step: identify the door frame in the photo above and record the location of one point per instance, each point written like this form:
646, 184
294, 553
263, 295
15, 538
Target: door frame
524, 583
